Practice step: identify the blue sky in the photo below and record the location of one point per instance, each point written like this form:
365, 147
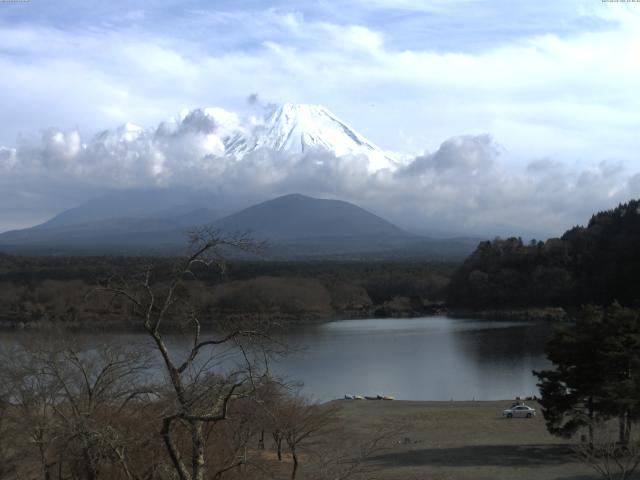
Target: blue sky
552, 83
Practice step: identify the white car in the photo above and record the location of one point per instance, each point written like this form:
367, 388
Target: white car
524, 411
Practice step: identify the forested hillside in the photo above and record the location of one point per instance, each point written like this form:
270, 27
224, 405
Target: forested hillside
36, 291
598, 264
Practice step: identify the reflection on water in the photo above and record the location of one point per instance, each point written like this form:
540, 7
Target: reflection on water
430, 358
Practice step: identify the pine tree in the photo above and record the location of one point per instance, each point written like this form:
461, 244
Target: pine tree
597, 372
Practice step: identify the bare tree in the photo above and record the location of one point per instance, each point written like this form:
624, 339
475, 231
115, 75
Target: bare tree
347, 458
299, 423
270, 400
8, 453
201, 389
306, 423
613, 460
70, 407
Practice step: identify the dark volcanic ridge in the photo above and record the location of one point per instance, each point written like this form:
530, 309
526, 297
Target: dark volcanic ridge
293, 226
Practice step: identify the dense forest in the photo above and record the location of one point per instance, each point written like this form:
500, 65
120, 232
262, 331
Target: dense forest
599, 263
44, 290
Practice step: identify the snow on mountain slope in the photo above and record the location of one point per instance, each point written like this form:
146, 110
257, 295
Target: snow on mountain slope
202, 136
128, 132
300, 128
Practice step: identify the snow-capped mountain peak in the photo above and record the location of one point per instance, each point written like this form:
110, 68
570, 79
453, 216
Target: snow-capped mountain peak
289, 128
302, 128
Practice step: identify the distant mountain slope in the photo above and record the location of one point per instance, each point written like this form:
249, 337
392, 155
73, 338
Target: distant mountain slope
300, 217
291, 217
288, 128
295, 226
135, 203
155, 232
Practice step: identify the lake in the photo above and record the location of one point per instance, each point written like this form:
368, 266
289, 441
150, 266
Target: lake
429, 358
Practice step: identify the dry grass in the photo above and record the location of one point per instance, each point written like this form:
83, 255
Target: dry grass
461, 440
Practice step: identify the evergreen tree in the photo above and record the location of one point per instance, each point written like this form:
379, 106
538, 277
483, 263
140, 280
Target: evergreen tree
621, 356
597, 372
593, 264
571, 392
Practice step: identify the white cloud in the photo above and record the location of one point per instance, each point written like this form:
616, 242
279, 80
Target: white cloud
564, 91
465, 153
465, 185
577, 90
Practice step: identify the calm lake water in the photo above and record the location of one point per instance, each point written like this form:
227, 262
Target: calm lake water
430, 358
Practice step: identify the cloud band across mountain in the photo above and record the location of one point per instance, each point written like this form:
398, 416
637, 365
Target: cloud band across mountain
463, 186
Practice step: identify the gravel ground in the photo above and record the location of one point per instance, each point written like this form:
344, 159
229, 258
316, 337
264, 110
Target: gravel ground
460, 440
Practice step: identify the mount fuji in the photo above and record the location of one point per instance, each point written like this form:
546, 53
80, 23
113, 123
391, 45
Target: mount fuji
136, 220
301, 128
214, 137
296, 129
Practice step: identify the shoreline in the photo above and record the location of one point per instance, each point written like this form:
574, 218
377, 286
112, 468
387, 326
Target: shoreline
434, 402
550, 314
